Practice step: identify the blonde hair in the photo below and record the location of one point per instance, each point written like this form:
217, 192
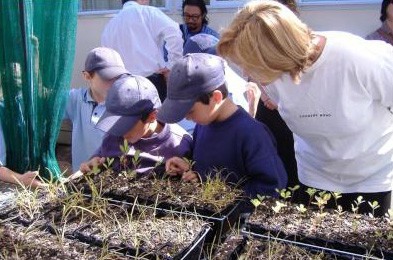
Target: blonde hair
266, 39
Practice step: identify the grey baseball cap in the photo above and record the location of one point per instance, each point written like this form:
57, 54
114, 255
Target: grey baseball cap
190, 77
129, 98
106, 62
201, 42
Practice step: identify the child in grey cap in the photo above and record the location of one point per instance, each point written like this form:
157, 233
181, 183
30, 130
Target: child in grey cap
227, 140
85, 106
131, 114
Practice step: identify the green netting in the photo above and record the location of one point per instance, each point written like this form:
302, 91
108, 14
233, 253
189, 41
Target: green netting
37, 46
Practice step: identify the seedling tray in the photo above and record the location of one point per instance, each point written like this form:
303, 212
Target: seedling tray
315, 244
221, 222
335, 253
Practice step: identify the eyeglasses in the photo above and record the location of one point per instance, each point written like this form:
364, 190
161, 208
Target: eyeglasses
191, 17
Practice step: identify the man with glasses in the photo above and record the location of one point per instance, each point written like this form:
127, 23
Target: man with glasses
195, 19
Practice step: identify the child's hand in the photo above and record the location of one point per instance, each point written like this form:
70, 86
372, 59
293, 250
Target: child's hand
190, 176
94, 162
176, 166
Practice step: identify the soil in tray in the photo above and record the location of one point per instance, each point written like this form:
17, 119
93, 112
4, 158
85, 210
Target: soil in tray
213, 196
19, 242
343, 227
125, 226
239, 247
144, 233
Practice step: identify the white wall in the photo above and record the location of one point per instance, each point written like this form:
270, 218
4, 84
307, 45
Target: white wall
358, 19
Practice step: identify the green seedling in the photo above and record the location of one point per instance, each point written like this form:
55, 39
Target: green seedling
293, 189
355, 207
108, 163
336, 196
322, 200
258, 200
311, 192
278, 207
301, 208
284, 193
374, 205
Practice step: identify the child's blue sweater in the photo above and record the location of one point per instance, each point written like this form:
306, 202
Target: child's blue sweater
244, 149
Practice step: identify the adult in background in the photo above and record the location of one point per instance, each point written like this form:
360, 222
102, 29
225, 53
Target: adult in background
333, 90
385, 32
195, 19
138, 33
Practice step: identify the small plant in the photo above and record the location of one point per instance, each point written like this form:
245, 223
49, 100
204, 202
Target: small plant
28, 203
96, 170
311, 192
278, 207
284, 193
293, 189
124, 148
216, 192
136, 159
336, 196
189, 162
355, 225
339, 211
258, 200
301, 208
322, 200
355, 207
108, 163
374, 205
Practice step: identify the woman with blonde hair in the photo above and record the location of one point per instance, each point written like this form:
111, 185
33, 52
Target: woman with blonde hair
333, 89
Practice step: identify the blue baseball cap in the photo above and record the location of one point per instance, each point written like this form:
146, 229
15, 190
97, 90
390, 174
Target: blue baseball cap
190, 77
106, 62
201, 43
129, 98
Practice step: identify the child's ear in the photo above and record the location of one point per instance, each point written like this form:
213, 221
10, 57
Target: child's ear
216, 96
152, 116
86, 75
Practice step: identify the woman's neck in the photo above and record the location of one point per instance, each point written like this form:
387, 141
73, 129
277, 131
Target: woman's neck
318, 43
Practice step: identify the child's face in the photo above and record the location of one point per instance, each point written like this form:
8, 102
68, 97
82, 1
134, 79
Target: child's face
98, 84
140, 130
201, 113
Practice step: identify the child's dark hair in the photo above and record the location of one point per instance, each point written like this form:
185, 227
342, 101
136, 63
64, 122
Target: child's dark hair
384, 7
145, 115
205, 98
